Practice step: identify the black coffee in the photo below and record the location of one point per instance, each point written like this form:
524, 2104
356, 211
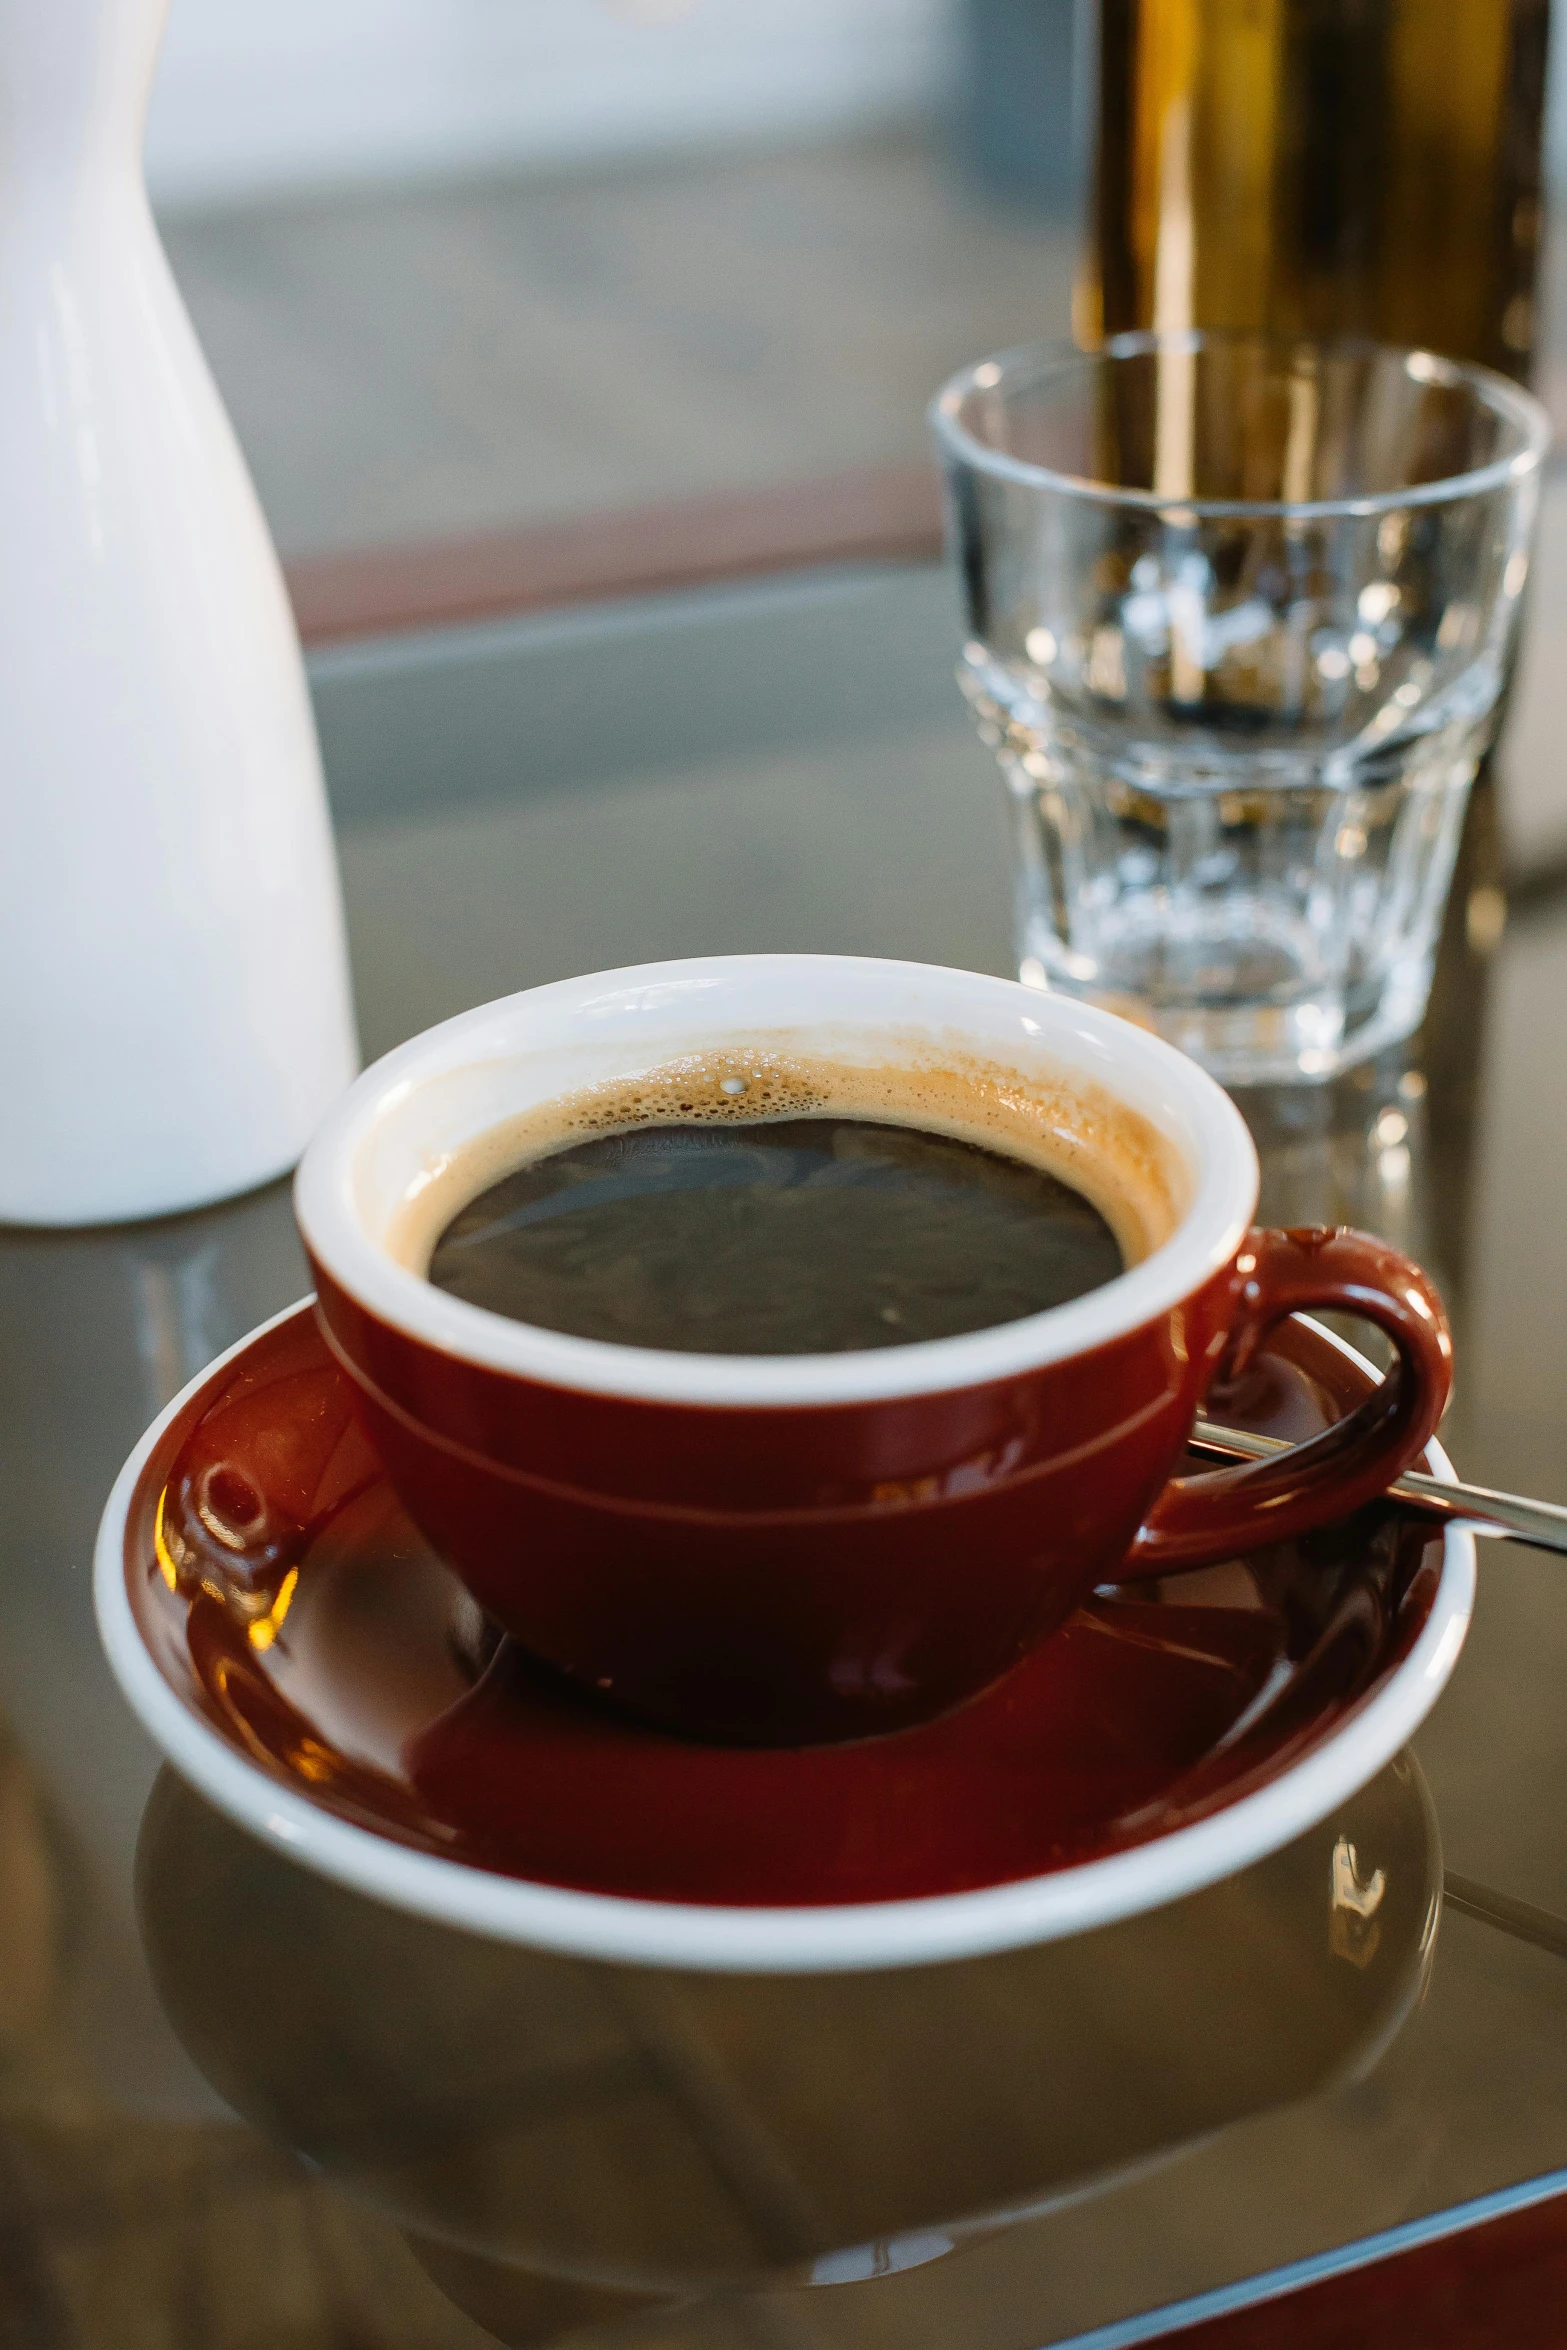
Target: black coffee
813, 1235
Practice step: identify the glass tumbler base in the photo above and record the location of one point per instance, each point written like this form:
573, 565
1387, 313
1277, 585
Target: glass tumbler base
1309, 1041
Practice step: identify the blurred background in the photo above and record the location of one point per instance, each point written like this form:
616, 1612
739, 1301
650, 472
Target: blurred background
465, 263
599, 294
460, 264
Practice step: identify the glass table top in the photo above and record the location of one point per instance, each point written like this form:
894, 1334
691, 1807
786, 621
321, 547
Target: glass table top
239, 2106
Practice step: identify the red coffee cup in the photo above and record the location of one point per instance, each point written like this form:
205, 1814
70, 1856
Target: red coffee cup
782, 1549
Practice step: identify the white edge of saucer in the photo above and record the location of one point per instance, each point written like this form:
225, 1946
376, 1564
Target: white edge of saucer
771, 1941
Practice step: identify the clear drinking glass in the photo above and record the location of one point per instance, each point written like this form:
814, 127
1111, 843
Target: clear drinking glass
1239, 613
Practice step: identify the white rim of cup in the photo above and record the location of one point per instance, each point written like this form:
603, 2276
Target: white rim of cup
729, 1940
1130, 1063
1042, 360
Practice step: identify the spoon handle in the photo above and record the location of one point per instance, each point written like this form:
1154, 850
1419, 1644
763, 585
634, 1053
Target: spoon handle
1512, 1517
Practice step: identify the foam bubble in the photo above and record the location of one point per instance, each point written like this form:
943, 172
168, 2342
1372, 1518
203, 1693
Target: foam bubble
1106, 1151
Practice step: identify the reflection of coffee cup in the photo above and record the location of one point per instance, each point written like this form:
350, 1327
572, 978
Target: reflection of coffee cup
563, 2136
779, 1548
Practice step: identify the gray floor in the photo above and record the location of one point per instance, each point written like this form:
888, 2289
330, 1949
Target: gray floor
424, 362
438, 360
414, 362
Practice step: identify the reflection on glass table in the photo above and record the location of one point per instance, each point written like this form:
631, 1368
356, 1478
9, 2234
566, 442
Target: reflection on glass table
497, 2145
566, 2141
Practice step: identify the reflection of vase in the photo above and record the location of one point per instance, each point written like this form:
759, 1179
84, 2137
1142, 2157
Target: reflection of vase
174, 1006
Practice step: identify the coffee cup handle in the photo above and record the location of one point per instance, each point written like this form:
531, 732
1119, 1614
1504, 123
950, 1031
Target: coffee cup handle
1201, 1519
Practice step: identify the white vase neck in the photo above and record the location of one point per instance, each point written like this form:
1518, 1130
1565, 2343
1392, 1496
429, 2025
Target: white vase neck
74, 82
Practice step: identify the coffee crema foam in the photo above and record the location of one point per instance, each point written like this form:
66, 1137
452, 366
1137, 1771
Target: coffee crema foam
1111, 1154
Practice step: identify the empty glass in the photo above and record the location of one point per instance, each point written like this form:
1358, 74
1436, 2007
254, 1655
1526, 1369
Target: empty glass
1239, 613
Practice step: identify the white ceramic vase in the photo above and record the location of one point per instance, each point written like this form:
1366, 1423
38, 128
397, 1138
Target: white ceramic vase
174, 1001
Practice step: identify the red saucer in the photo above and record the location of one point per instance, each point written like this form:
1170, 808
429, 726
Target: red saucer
342, 1658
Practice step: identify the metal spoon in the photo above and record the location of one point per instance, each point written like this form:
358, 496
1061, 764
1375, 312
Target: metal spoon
1511, 1517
